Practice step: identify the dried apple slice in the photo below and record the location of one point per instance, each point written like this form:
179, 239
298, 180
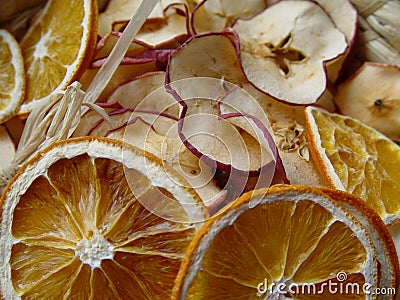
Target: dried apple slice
140, 97
142, 93
284, 50
144, 115
153, 126
132, 100
372, 95
288, 127
225, 127
107, 43
89, 122
172, 28
217, 51
131, 93
167, 32
124, 73
345, 17
220, 51
122, 10
170, 149
216, 15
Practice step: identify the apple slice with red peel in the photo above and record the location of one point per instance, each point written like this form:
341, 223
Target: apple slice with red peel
288, 127
216, 15
170, 149
284, 50
372, 95
124, 73
143, 96
148, 120
89, 121
137, 47
345, 17
221, 124
146, 93
132, 92
173, 28
107, 43
118, 10
93, 124
219, 52
169, 31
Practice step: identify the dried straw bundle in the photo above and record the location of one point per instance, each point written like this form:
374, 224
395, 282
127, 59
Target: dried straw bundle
379, 38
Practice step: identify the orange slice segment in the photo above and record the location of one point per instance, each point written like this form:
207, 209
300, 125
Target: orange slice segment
12, 76
58, 47
296, 238
73, 224
356, 158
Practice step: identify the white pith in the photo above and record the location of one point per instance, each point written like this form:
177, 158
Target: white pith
92, 251
42, 46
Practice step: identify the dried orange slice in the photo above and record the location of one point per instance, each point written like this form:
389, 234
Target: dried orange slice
74, 224
58, 47
383, 239
12, 76
356, 158
279, 243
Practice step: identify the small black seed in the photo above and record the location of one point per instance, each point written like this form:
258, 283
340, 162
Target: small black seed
378, 103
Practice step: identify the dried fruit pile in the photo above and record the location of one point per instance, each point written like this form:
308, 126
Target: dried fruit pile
238, 146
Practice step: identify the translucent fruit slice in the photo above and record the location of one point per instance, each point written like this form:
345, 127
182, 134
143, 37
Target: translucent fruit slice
295, 237
74, 224
356, 158
12, 76
58, 47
